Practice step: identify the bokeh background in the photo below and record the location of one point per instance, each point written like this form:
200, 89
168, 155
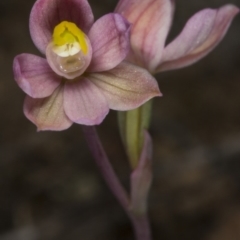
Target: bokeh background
50, 188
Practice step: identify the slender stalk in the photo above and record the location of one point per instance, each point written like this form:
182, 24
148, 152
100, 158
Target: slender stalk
140, 222
105, 167
141, 227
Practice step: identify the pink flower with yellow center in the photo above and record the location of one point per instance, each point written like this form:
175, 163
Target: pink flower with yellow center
151, 21
83, 75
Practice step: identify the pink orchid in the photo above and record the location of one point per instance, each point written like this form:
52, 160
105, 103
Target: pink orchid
83, 75
151, 21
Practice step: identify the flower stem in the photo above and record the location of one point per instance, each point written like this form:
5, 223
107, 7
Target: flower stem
141, 227
140, 222
105, 167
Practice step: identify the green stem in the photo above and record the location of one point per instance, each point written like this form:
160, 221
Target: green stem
132, 124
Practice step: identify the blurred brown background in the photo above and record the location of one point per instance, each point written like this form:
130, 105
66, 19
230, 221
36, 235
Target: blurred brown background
50, 188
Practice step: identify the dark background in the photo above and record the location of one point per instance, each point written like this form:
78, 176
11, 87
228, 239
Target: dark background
49, 185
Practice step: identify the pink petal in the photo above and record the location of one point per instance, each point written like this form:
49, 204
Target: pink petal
47, 113
151, 21
84, 103
127, 86
201, 34
110, 42
34, 76
46, 14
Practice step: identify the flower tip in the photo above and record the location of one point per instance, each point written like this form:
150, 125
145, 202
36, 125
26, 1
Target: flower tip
121, 22
159, 94
234, 8
19, 76
156, 92
231, 10
39, 129
16, 68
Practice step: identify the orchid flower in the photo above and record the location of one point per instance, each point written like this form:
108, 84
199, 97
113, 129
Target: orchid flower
83, 75
151, 21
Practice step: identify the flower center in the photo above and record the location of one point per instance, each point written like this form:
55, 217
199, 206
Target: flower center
68, 39
69, 53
